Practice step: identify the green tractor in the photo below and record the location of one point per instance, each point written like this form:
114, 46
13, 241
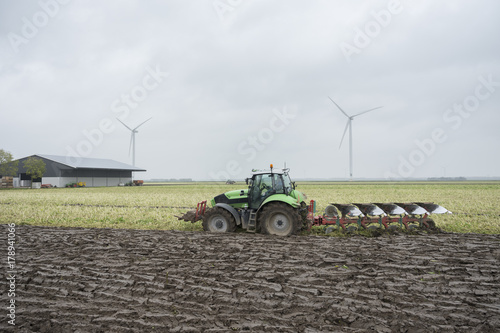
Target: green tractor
271, 205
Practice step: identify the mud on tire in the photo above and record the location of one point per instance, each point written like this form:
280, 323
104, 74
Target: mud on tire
280, 219
218, 220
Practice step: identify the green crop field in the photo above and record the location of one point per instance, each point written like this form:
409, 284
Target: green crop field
475, 204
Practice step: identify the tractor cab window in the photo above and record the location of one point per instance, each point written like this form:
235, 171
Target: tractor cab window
261, 187
265, 184
287, 184
278, 184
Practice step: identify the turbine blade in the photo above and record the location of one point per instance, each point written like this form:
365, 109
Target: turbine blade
142, 123
345, 131
366, 111
123, 124
131, 139
339, 107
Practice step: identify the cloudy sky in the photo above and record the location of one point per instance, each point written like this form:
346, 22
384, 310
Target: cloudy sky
233, 85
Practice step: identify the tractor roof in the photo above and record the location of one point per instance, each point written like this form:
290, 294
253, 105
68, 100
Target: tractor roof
276, 171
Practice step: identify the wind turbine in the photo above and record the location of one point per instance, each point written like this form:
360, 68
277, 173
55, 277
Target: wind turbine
349, 125
132, 138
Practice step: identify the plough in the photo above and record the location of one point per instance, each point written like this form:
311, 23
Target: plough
376, 215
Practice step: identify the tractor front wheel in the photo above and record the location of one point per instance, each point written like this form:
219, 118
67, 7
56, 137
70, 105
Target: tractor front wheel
218, 220
279, 219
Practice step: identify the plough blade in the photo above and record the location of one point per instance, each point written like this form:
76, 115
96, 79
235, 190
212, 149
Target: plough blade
413, 209
391, 209
433, 208
348, 210
370, 209
331, 211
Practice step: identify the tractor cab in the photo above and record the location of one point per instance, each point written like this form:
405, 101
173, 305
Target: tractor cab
263, 184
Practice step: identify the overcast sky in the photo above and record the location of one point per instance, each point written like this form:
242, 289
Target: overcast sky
233, 85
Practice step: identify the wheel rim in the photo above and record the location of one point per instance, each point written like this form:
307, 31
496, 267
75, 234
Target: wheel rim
279, 224
218, 224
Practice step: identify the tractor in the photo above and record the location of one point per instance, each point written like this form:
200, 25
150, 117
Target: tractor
270, 204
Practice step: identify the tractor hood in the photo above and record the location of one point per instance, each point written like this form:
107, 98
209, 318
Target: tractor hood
299, 196
236, 198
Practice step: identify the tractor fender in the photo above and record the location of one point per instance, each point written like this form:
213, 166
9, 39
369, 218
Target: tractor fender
231, 210
286, 199
269, 201
281, 198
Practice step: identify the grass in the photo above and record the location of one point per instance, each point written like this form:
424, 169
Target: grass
475, 204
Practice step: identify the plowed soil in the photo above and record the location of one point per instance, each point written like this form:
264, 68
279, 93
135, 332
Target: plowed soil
103, 280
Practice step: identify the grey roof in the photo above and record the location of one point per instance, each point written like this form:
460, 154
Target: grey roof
89, 163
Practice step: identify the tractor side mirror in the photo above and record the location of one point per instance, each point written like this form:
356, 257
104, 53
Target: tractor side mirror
294, 185
246, 180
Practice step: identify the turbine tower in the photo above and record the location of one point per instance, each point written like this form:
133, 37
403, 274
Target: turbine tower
132, 138
349, 125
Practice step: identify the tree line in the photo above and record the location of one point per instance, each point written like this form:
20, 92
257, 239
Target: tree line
35, 167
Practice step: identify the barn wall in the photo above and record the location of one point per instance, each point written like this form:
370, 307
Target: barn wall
90, 182
55, 181
100, 181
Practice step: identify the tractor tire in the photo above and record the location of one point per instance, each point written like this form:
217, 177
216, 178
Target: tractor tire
279, 219
218, 220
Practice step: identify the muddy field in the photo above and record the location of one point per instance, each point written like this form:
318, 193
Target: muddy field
102, 280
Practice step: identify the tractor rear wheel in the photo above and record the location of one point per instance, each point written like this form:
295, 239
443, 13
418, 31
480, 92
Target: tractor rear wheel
218, 220
279, 219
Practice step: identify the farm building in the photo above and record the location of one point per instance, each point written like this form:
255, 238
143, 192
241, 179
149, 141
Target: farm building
62, 170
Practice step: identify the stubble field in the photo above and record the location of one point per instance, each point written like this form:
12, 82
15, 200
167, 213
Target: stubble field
82, 265
475, 205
